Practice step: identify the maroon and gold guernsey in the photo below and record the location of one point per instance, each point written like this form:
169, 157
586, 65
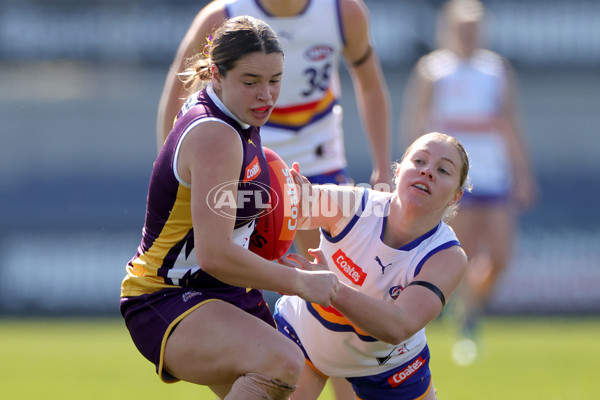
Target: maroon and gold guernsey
166, 257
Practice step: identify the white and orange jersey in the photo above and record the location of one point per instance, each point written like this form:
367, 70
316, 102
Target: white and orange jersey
359, 258
467, 102
306, 123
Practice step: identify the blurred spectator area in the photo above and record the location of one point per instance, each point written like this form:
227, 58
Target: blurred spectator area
529, 32
79, 85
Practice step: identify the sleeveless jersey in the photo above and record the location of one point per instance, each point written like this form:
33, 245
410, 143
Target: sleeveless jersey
165, 257
305, 125
359, 258
466, 102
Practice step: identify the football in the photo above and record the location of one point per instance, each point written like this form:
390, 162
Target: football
275, 230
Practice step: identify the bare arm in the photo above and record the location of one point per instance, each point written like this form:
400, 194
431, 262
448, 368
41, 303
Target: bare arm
525, 186
174, 94
328, 206
416, 104
215, 249
415, 307
370, 89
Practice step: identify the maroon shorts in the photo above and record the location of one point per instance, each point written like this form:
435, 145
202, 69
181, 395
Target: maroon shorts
151, 318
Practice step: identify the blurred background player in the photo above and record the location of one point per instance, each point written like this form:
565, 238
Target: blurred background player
397, 262
470, 92
190, 297
306, 124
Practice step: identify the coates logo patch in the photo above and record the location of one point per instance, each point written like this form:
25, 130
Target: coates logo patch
189, 295
318, 52
252, 170
406, 373
395, 291
349, 268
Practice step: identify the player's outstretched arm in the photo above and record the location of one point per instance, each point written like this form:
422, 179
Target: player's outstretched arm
370, 88
328, 206
416, 306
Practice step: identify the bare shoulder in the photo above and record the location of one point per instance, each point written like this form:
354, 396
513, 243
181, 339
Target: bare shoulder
434, 64
210, 17
197, 151
354, 9
355, 21
452, 258
355, 15
201, 141
209, 135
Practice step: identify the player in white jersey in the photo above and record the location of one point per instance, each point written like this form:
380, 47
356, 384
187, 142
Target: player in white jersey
469, 92
397, 262
306, 124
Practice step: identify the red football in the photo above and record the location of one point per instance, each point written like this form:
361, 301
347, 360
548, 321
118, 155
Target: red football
276, 229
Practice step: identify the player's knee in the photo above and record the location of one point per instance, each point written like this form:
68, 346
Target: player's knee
256, 386
289, 362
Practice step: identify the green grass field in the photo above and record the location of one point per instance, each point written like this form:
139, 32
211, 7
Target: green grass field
522, 358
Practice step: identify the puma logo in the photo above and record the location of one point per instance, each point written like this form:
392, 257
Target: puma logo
383, 267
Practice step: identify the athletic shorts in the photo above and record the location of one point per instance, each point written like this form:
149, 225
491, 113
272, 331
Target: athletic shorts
474, 200
339, 177
151, 318
409, 381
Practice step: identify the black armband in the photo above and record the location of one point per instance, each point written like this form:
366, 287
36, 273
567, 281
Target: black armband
364, 58
431, 287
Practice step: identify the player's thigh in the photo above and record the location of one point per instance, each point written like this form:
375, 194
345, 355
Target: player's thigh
342, 388
220, 390
310, 386
467, 225
431, 395
500, 235
218, 342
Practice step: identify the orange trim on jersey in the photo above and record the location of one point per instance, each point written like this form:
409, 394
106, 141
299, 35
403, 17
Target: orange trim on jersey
168, 333
333, 316
312, 366
302, 114
421, 397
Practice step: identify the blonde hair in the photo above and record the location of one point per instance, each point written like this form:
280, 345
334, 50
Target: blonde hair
464, 181
457, 11
463, 10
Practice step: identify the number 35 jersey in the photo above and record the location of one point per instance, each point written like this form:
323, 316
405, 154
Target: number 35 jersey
306, 124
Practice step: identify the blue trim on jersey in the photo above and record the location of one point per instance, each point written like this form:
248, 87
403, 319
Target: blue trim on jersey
340, 21
337, 327
432, 252
352, 222
288, 331
261, 8
414, 243
338, 177
385, 217
475, 199
419, 240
